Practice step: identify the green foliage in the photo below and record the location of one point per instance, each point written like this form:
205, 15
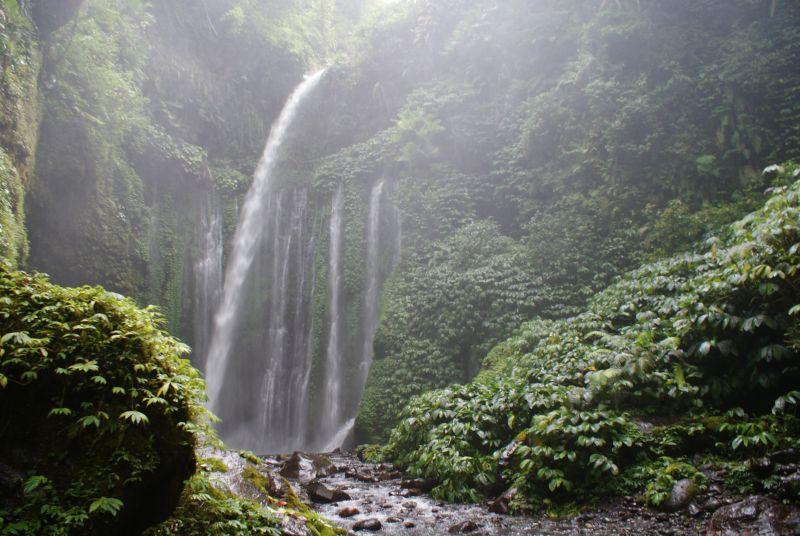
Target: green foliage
595, 139
205, 509
20, 61
567, 404
370, 453
478, 287
658, 477
100, 408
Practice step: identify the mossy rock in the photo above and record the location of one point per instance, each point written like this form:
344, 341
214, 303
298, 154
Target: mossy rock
98, 410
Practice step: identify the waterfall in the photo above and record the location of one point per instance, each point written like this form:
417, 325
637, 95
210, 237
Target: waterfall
261, 354
250, 413
373, 284
207, 275
332, 389
379, 227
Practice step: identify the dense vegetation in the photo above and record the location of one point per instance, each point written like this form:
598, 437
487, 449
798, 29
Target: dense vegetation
102, 417
535, 151
579, 139
690, 355
20, 58
590, 136
97, 406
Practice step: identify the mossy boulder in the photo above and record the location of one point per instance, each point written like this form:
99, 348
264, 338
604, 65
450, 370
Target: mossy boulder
97, 407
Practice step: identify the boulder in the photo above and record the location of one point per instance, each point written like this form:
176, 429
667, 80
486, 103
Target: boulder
299, 467
370, 524
463, 528
755, 516
348, 511
422, 484
683, 491
320, 493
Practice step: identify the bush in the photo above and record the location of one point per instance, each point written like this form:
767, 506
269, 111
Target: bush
98, 410
569, 405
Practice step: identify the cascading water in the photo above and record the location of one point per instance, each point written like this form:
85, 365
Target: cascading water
241, 407
378, 228
207, 277
261, 360
372, 294
332, 389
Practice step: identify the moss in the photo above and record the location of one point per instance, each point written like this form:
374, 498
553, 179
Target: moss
13, 237
20, 61
318, 525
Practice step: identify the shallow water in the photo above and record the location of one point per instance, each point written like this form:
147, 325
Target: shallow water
385, 500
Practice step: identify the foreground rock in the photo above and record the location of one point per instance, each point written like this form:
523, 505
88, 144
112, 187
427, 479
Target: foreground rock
755, 515
681, 495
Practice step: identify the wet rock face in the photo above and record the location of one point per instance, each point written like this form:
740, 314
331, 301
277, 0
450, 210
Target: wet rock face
755, 516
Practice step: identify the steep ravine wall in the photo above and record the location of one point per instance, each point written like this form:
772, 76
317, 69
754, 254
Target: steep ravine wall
128, 167
531, 156
25, 30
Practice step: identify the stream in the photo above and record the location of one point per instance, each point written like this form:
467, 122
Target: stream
367, 498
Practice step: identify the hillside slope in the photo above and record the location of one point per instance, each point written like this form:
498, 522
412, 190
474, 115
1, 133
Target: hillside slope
686, 363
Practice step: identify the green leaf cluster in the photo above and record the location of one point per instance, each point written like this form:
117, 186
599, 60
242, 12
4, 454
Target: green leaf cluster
100, 407
568, 406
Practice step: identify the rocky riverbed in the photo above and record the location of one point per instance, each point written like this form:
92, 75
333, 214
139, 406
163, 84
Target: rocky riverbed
365, 498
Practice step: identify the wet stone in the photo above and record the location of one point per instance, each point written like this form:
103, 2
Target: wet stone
501, 504
319, 493
348, 511
755, 515
299, 467
420, 484
681, 495
371, 524
464, 527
